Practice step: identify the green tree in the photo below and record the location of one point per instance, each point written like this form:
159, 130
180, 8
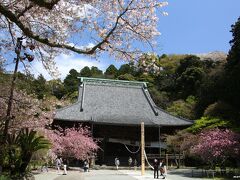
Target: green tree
188, 62
111, 72
57, 88
189, 76
95, 72
126, 69
183, 108
71, 81
231, 81
189, 81
40, 87
86, 72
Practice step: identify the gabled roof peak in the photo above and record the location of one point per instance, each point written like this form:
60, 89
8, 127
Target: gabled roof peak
112, 82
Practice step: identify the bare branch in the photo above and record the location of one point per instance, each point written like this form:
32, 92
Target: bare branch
10, 31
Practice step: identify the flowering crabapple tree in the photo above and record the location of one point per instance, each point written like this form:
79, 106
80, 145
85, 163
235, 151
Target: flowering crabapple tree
73, 142
215, 146
86, 27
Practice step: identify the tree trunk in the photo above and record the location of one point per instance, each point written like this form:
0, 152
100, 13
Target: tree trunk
25, 161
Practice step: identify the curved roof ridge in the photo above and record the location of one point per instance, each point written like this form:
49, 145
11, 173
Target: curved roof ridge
68, 106
112, 81
150, 101
179, 117
113, 85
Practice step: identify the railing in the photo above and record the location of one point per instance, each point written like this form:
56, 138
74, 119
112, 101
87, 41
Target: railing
165, 156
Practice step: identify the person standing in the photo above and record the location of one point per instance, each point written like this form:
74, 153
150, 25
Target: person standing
130, 162
117, 162
163, 169
58, 164
155, 168
86, 166
135, 164
64, 167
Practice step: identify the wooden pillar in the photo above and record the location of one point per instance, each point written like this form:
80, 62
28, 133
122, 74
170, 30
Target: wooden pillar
167, 161
142, 149
159, 140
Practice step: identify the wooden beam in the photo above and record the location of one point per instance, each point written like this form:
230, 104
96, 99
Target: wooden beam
142, 149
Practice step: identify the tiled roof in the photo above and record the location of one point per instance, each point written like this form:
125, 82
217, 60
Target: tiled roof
104, 101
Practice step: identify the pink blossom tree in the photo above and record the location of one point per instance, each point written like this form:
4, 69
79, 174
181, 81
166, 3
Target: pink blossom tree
29, 112
73, 142
215, 146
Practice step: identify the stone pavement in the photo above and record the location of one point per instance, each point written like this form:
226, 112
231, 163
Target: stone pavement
179, 174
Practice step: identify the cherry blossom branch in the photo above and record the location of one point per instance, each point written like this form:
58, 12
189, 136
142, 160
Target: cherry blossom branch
11, 16
25, 10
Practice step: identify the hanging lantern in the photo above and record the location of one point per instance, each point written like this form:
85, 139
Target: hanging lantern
31, 47
29, 57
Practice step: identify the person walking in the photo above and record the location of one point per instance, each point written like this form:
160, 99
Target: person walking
163, 169
155, 168
117, 162
58, 164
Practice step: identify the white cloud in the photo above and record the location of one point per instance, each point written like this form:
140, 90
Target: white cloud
65, 63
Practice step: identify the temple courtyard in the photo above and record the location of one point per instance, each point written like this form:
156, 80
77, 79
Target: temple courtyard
181, 174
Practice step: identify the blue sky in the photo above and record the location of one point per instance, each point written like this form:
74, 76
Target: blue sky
192, 26
197, 26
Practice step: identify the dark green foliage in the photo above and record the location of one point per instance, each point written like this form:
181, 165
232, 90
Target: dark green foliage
29, 143
183, 108
126, 69
85, 72
160, 97
190, 74
222, 84
221, 110
16, 154
234, 53
231, 78
188, 62
95, 72
57, 88
166, 81
40, 87
71, 82
189, 81
111, 72
127, 77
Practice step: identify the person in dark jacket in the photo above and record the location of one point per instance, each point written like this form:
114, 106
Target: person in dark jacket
155, 168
